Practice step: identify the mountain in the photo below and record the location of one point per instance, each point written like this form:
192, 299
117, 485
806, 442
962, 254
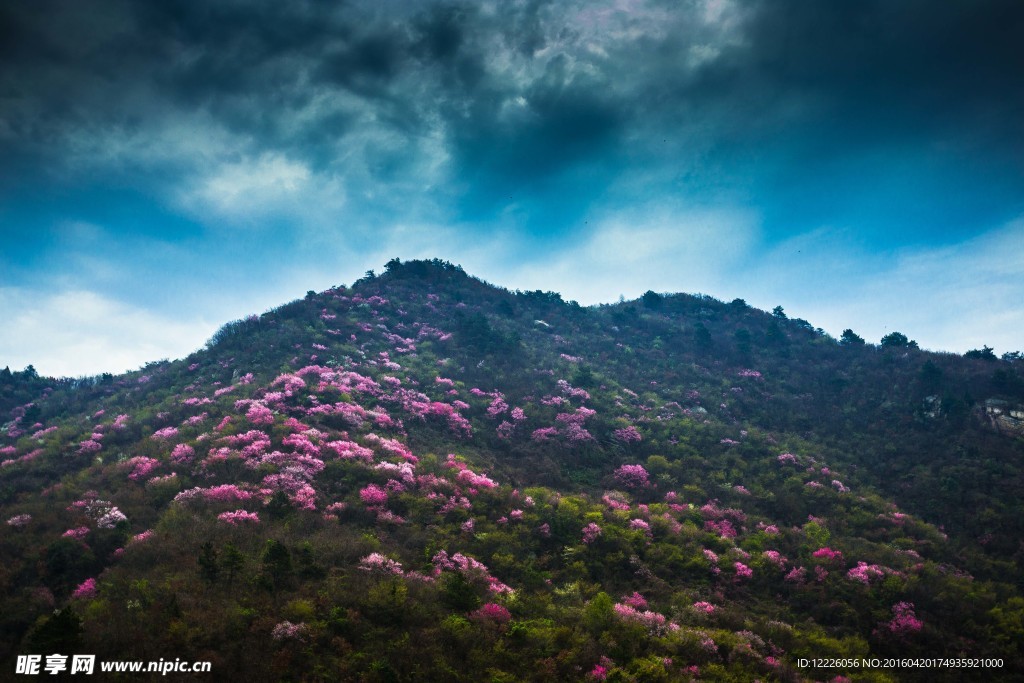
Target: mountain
427, 477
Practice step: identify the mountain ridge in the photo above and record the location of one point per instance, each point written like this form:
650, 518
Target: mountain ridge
827, 442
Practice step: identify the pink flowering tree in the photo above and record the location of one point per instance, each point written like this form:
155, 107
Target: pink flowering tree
632, 476
591, 532
904, 622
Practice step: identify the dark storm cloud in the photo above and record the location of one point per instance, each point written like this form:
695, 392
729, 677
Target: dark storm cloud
791, 105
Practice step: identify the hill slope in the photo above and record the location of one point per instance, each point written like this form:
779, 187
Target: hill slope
425, 477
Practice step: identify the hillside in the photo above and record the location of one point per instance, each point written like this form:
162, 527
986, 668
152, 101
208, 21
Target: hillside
427, 477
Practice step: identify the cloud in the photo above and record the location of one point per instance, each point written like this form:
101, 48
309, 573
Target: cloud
528, 140
665, 247
252, 192
78, 333
542, 106
949, 298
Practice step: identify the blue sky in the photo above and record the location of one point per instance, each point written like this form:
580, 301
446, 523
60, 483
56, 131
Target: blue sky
167, 167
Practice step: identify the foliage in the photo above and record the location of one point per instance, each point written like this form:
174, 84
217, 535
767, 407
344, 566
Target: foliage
425, 477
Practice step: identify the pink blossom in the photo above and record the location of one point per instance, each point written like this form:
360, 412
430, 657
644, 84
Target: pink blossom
19, 521
704, 607
141, 467
233, 518
787, 459
165, 433
904, 621
615, 501
111, 519
497, 407
378, 563
723, 528
86, 589
286, 630
635, 600
469, 568
628, 435
195, 419
864, 572
828, 555
591, 532
259, 414
640, 525
155, 481
89, 446
373, 495
796, 575
632, 476
479, 481
742, 571
78, 533
505, 429
598, 673
221, 493
544, 433
492, 612
182, 453
656, 623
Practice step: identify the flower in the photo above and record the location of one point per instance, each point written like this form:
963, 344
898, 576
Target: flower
591, 533
373, 495
704, 607
233, 518
376, 562
18, 521
628, 435
904, 621
492, 612
286, 630
86, 589
742, 571
632, 476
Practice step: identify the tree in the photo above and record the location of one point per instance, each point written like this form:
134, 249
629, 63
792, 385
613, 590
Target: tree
233, 561
984, 353
931, 376
277, 564
651, 299
779, 313
701, 336
743, 341
208, 567
62, 632
851, 338
897, 340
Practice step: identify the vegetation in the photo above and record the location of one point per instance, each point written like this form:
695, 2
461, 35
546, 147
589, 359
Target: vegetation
426, 477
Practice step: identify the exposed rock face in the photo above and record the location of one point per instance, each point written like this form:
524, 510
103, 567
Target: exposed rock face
1005, 417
